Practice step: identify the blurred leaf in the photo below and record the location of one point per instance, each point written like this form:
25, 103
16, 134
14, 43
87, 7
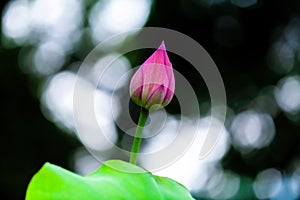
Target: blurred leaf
115, 179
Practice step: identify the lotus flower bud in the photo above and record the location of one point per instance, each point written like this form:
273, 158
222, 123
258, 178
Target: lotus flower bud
153, 83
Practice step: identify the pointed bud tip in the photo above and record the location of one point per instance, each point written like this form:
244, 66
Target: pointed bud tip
162, 45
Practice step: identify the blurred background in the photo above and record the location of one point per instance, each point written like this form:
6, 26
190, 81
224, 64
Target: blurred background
254, 43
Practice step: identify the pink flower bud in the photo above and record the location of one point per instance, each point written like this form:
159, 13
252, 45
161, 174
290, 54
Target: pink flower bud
153, 83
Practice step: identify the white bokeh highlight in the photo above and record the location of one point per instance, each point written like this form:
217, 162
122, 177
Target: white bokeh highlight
48, 58
267, 183
84, 162
114, 16
16, 21
295, 182
57, 101
42, 20
112, 70
288, 94
189, 169
252, 130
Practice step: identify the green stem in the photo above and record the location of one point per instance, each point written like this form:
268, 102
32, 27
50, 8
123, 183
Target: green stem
138, 136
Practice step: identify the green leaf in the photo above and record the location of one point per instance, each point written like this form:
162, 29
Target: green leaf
115, 179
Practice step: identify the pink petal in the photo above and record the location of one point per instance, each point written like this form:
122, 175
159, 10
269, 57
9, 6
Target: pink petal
136, 83
156, 97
